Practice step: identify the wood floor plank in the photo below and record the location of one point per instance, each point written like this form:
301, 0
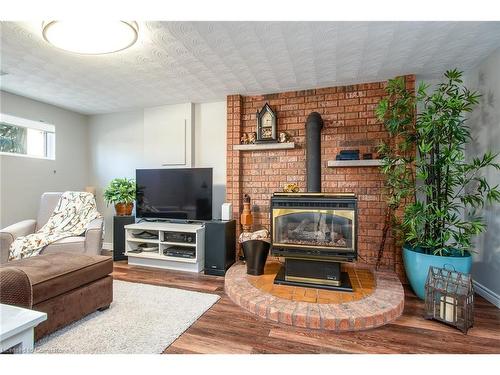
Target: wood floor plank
227, 328
204, 344
418, 322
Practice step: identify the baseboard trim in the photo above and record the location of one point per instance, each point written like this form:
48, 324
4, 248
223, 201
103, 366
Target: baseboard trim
487, 294
107, 246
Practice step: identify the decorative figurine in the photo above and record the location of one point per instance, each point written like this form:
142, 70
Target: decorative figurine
284, 137
252, 137
291, 188
244, 139
246, 218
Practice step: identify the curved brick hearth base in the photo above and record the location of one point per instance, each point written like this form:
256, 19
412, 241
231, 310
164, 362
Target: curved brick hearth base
384, 304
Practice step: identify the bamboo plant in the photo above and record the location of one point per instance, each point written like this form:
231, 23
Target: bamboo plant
397, 112
450, 190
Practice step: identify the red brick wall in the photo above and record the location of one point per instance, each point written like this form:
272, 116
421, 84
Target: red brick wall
350, 123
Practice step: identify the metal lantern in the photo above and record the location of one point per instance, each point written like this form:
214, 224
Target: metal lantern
449, 298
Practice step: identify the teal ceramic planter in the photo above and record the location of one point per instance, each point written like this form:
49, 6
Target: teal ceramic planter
417, 265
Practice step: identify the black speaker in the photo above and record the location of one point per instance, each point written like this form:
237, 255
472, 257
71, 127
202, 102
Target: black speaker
220, 252
119, 223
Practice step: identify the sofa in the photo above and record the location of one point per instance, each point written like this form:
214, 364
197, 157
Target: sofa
89, 243
66, 286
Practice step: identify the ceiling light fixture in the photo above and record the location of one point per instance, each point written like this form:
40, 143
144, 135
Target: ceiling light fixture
90, 38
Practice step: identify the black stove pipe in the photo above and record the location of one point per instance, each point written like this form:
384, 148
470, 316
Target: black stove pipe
314, 124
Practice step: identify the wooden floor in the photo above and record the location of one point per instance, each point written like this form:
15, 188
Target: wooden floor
226, 328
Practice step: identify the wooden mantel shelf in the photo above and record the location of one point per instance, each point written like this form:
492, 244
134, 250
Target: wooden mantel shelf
355, 163
265, 146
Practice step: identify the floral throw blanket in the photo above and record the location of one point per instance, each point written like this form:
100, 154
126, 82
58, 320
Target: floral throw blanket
74, 211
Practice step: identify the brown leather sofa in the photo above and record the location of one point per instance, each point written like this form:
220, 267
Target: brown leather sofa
65, 286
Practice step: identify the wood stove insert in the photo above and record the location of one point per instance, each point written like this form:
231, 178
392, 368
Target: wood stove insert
314, 232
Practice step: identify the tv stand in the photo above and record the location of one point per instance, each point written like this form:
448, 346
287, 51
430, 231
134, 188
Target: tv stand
149, 220
152, 250
171, 221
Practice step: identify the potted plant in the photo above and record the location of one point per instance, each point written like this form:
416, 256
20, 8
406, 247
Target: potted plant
438, 225
121, 193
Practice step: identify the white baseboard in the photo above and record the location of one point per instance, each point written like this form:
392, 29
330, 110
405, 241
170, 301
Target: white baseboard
487, 294
107, 246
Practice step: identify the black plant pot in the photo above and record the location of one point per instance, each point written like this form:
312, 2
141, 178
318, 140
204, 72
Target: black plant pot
255, 252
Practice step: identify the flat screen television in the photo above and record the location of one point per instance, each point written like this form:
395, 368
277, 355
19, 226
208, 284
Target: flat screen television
180, 193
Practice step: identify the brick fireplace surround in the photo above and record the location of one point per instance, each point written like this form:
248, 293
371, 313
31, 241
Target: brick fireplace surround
349, 123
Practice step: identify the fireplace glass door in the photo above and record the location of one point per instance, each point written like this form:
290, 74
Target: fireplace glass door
324, 229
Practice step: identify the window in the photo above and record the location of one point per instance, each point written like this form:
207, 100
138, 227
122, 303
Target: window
20, 136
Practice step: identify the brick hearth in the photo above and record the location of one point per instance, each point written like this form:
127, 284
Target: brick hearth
362, 280
350, 123
352, 312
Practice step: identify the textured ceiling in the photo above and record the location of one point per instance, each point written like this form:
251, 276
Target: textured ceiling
176, 62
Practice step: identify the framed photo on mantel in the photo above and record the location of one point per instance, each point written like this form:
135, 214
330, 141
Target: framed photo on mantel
266, 125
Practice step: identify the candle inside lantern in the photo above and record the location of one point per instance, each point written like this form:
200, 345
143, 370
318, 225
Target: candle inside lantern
448, 309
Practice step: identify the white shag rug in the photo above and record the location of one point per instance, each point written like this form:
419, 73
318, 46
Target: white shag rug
143, 319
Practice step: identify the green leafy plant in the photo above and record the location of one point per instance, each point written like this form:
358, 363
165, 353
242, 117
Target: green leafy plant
450, 190
120, 190
12, 139
397, 112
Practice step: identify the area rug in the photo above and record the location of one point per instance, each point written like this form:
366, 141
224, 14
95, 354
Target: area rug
143, 319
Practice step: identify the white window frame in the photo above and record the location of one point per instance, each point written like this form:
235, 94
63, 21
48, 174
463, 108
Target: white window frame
30, 124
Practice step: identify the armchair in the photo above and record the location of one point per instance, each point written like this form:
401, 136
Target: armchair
90, 243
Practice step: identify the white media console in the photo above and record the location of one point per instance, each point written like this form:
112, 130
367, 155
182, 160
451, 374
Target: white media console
150, 249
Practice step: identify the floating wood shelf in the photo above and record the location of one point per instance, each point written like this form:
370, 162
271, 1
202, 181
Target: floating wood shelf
265, 146
355, 163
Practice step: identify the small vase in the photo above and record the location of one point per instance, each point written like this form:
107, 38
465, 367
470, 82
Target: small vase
124, 209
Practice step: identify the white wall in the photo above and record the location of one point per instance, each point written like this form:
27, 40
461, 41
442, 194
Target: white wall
210, 147
485, 129
115, 150
168, 135
23, 179
118, 147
